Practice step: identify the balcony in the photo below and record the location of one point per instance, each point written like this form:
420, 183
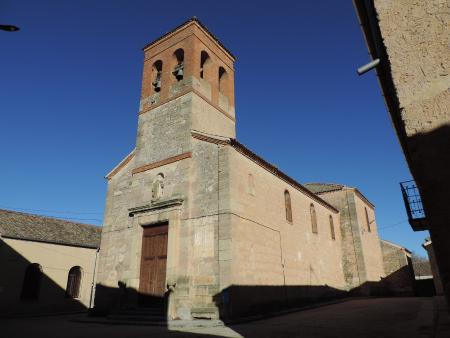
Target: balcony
414, 206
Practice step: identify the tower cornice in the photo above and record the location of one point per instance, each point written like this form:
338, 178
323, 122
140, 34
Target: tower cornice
191, 21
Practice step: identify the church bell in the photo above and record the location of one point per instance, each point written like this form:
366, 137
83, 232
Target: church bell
157, 85
178, 72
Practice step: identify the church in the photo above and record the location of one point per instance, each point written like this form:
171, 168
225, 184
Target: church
199, 226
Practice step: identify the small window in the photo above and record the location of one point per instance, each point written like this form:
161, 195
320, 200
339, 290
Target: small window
312, 211
333, 235
288, 206
251, 185
31, 282
73, 282
367, 220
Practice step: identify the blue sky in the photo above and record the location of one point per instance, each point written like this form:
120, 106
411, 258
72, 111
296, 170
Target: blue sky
70, 87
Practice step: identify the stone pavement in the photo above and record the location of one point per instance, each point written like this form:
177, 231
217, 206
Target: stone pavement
377, 317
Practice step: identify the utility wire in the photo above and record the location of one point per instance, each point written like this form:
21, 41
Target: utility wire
53, 211
393, 225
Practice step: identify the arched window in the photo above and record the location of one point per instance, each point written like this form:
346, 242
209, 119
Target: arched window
156, 75
223, 80
205, 62
178, 71
74, 282
333, 235
287, 205
31, 282
367, 219
312, 211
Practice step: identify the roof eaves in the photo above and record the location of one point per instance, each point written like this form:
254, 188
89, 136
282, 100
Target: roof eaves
78, 245
121, 164
191, 20
277, 172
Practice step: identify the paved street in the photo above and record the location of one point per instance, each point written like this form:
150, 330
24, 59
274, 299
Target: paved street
382, 317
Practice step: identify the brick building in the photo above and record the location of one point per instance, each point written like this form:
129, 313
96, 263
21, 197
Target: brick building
197, 222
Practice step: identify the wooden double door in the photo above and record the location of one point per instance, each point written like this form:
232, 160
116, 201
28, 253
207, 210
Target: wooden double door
152, 283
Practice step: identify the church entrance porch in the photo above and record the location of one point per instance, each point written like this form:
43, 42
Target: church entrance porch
152, 281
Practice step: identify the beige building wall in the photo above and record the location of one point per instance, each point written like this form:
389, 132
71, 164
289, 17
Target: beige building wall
411, 39
373, 258
362, 258
398, 268
428, 245
259, 218
266, 251
56, 261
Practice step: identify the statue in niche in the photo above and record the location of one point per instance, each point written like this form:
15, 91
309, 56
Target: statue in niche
158, 187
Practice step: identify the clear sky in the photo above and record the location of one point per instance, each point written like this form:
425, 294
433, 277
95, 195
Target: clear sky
70, 88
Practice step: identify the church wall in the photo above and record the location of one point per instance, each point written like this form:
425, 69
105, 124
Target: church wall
398, 269
373, 257
352, 260
269, 251
120, 253
56, 261
164, 131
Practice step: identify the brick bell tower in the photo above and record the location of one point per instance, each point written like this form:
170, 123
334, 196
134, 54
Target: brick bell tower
169, 182
187, 60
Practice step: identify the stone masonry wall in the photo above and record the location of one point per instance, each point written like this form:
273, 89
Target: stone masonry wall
270, 254
416, 36
399, 274
370, 241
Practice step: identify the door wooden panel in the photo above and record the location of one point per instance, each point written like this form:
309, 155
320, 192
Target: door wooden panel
153, 261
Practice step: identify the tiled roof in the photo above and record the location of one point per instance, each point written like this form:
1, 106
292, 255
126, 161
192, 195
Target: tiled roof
422, 268
30, 227
263, 163
193, 19
323, 187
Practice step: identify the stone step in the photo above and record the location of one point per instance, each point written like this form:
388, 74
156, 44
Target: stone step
142, 312
137, 318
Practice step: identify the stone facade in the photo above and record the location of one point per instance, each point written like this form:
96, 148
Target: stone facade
411, 39
399, 270
428, 245
362, 259
243, 236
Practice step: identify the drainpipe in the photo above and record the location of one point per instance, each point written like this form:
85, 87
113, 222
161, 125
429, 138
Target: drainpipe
91, 299
371, 65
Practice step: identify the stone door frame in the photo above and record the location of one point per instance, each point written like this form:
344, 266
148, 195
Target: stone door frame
150, 215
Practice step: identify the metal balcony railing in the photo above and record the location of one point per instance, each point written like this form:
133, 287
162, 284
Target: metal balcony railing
414, 206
